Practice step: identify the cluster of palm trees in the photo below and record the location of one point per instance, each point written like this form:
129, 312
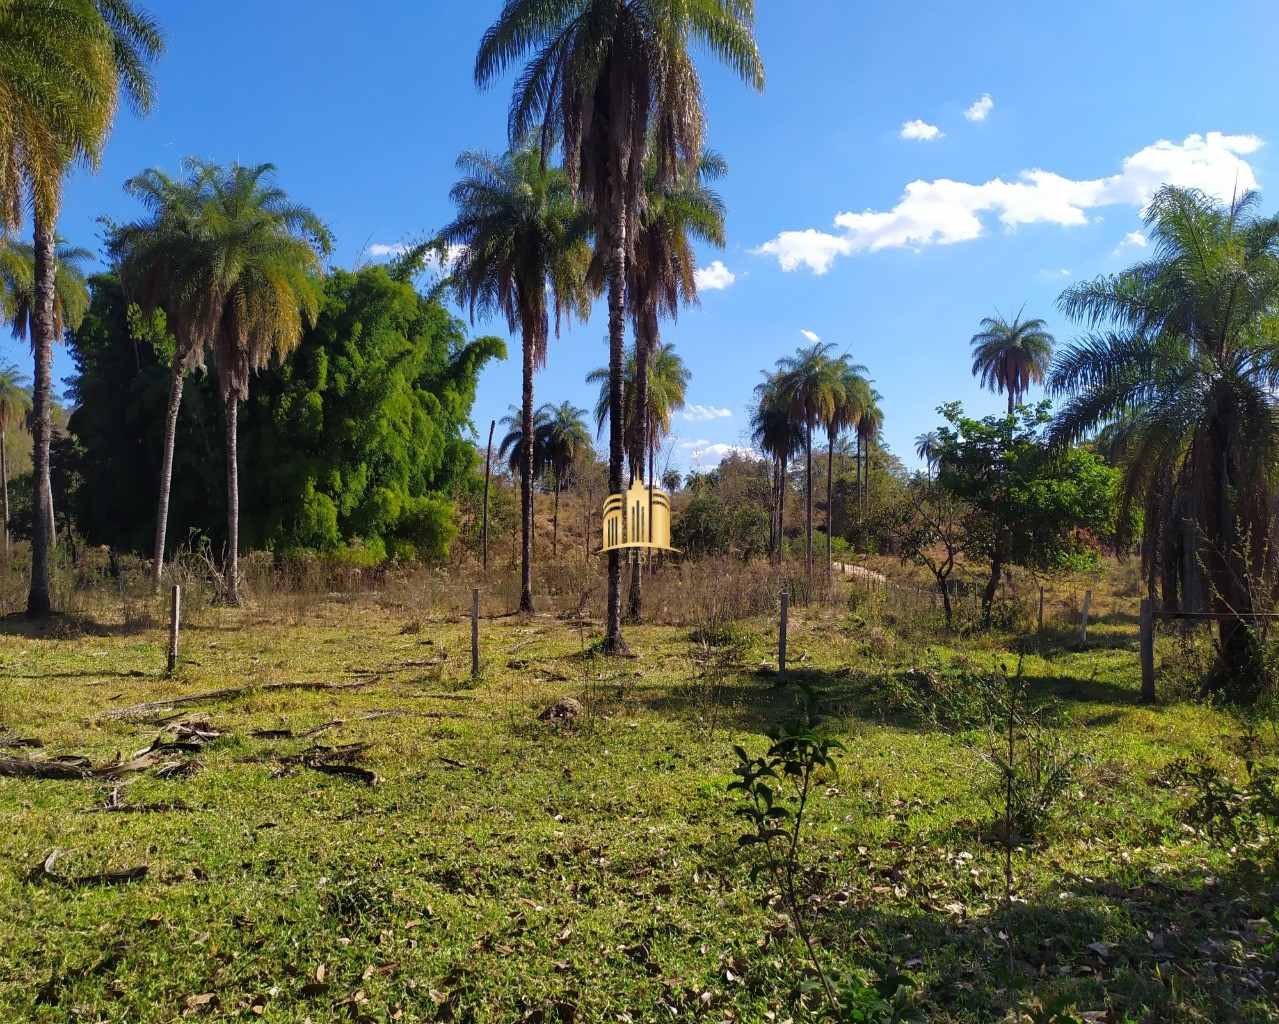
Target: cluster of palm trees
231, 262
612, 88
65, 67
811, 390
561, 443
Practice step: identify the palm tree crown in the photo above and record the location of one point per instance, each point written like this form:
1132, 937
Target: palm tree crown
1011, 356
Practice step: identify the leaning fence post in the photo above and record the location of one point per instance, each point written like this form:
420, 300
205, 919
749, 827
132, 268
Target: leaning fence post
1147, 651
475, 633
1083, 625
781, 642
174, 618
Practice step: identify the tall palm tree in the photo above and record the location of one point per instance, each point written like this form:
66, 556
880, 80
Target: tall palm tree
523, 253
605, 77
519, 459
869, 424
1181, 363
566, 442
15, 403
251, 294
811, 380
164, 260
64, 66
1011, 356
776, 433
851, 398
70, 303
927, 447
668, 379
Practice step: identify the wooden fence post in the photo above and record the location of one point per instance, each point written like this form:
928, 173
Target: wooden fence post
1083, 625
1147, 651
781, 642
174, 618
475, 633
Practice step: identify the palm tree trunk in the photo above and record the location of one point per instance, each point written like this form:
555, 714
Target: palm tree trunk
4, 479
781, 510
643, 345
555, 521
232, 570
488, 472
166, 471
42, 421
526, 481
1012, 401
830, 493
613, 641
808, 514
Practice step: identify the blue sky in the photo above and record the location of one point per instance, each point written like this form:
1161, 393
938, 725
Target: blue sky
874, 199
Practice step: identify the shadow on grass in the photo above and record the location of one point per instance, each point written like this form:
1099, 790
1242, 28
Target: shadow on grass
60, 626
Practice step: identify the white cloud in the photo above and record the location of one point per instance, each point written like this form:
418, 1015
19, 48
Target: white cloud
979, 110
1053, 275
812, 336
1132, 239
708, 456
702, 413
378, 249
921, 131
714, 278
943, 212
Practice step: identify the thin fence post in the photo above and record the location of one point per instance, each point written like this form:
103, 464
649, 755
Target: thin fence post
1083, 625
1147, 651
475, 633
175, 614
781, 641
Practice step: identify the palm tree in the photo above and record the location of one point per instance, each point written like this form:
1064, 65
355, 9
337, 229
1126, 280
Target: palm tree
811, 380
251, 293
1011, 356
927, 447
164, 260
64, 65
869, 425
671, 481
776, 433
15, 403
851, 398
1181, 363
70, 303
566, 441
523, 253
668, 379
605, 77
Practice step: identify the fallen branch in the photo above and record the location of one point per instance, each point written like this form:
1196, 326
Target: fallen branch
25, 768
19, 741
45, 871
289, 734
138, 710
451, 763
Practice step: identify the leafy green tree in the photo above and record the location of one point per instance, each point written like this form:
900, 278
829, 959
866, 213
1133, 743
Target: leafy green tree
1181, 370
378, 353
1026, 500
605, 77
522, 252
15, 403
1011, 356
64, 66
567, 443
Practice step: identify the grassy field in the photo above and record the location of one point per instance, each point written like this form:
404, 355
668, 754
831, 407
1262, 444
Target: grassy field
504, 868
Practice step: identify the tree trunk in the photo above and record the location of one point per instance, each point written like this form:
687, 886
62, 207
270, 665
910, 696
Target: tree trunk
4, 479
555, 521
992, 585
166, 472
830, 493
232, 570
1012, 401
488, 472
808, 512
781, 511
640, 442
42, 420
526, 481
613, 641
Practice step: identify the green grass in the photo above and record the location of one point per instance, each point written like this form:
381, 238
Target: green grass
592, 873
